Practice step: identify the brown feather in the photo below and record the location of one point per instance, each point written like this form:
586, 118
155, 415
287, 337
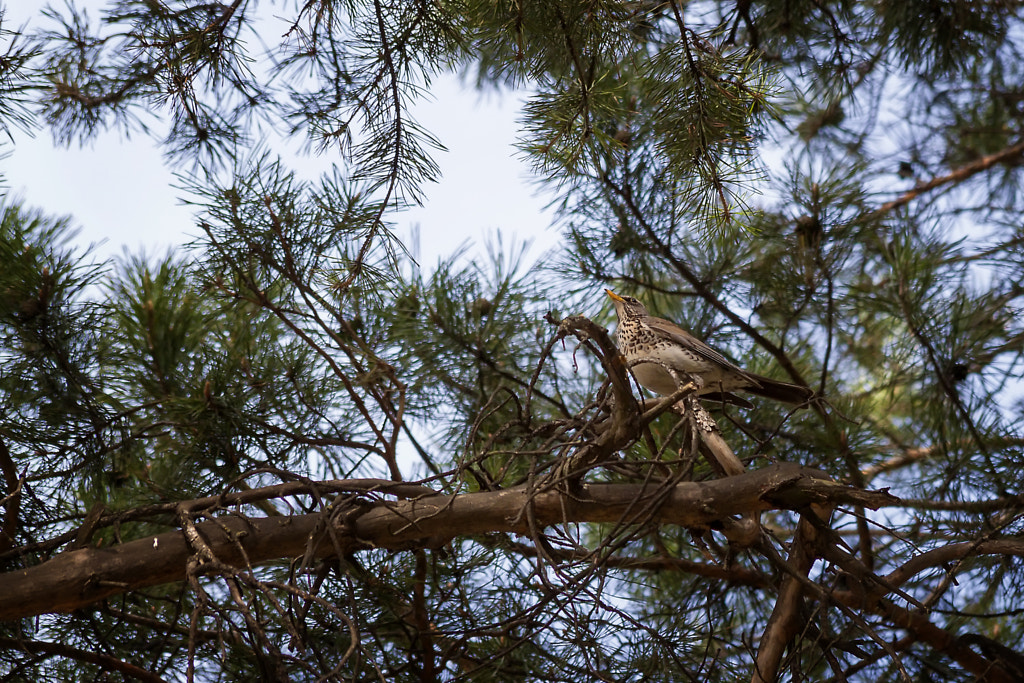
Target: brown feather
664, 342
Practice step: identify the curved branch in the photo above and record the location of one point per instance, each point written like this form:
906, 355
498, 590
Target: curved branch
735, 575
99, 659
621, 429
942, 641
957, 175
916, 622
952, 553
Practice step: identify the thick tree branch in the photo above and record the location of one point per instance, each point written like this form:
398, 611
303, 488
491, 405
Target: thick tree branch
12, 501
77, 578
372, 487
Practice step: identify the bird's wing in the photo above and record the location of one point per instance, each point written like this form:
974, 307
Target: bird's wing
681, 336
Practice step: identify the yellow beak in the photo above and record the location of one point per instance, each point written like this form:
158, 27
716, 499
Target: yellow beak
613, 295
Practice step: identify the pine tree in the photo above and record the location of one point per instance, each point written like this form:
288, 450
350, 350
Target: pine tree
288, 451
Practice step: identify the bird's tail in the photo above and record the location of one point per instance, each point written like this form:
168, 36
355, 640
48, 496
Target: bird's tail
794, 394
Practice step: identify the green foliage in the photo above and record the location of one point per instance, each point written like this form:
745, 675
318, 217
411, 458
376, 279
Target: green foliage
52, 387
15, 86
828, 193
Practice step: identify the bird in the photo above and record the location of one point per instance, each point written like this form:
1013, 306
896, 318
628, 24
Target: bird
641, 336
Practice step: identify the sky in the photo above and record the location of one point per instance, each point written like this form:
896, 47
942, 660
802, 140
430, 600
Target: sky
122, 195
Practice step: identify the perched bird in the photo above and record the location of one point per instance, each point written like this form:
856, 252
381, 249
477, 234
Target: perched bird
641, 336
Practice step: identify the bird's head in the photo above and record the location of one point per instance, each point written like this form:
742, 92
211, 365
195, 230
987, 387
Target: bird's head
626, 306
